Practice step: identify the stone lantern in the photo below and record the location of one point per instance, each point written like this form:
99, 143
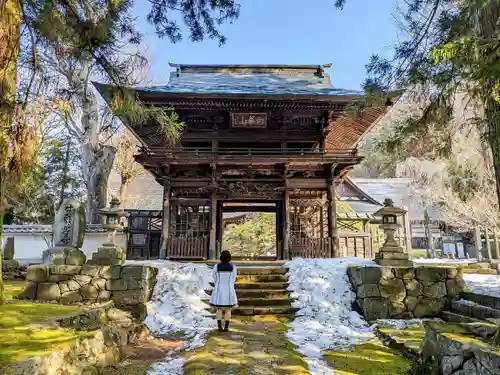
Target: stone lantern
391, 253
112, 216
110, 253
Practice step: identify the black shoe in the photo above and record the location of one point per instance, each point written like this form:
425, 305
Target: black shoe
226, 326
219, 325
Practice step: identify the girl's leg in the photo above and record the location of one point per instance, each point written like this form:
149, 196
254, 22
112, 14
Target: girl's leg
218, 315
227, 319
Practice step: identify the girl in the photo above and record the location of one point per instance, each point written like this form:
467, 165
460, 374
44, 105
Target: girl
224, 296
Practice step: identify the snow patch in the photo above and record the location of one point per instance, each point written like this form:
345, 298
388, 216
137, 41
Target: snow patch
325, 320
483, 284
402, 324
177, 306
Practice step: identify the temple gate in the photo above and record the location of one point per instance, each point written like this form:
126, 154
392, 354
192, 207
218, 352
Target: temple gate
277, 134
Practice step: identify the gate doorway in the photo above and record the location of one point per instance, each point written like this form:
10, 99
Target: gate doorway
249, 230
143, 234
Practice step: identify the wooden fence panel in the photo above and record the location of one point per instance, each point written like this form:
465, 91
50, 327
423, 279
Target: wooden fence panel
187, 247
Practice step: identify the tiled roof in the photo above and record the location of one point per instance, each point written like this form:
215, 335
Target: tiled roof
227, 79
46, 229
395, 188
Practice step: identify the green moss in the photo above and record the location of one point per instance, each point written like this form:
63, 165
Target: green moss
12, 289
370, 358
409, 337
21, 343
255, 344
20, 338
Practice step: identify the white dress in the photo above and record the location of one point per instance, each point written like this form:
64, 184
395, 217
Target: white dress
224, 295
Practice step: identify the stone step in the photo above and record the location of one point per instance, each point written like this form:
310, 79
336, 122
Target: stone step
481, 299
269, 294
454, 317
260, 310
268, 285
263, 302
262, 270
474, 311
261, 278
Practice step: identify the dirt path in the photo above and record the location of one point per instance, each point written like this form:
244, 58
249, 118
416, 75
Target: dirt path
254, 346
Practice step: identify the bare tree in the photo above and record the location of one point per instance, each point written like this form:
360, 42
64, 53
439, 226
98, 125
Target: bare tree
125, 165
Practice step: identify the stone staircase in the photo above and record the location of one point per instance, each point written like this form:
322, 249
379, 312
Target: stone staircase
261, 290
473, 308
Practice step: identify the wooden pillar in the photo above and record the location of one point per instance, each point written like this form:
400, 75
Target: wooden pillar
212, 250
368, 240
488, 243
166, 219
285, 220
407, 229
332, 218
478, 243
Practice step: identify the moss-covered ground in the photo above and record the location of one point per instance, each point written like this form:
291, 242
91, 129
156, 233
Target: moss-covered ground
370, 358
254, 345
410, 337
24, 332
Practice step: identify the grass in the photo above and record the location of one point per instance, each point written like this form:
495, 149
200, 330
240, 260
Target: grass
254, 345
22, 334
370, 358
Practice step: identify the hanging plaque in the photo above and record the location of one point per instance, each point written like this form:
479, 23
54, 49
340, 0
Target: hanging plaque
249, 120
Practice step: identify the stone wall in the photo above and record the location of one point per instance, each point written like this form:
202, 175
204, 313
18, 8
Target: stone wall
454, 350
130, 287
415, 292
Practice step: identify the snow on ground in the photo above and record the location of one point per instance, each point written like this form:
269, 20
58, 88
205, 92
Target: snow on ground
177, 306
444, 260
326, 319
483, 284
403, 324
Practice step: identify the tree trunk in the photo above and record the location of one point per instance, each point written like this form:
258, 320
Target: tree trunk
98, 169
10, 26
493, 120
123, 192
64, 181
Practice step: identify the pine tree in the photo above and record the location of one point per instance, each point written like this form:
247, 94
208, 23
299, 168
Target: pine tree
452, 47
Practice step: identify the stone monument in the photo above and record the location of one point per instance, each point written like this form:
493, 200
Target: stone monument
110, 253
391, 253
68, 233
11, 268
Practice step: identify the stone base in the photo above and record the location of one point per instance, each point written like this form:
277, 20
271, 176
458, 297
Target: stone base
108, 254
393, 259
404, 292
64, 255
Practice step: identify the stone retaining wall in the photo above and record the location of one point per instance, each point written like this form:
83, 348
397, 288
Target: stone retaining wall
130, 287
452, 350
415, 292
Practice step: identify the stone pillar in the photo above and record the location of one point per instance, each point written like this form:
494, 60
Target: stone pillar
166, 219
212, 250
332, 218
285, 205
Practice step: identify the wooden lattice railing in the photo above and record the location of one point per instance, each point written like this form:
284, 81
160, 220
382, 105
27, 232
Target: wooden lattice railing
302, 247
187, 247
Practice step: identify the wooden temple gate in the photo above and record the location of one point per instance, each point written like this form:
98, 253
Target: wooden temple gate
253, 133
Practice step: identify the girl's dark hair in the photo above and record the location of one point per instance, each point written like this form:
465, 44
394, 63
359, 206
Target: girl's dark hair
225, 256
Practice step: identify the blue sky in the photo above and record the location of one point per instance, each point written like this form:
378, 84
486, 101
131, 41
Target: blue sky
286, 32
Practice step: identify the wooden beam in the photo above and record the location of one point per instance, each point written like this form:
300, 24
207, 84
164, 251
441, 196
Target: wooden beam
166, 219
286, 224
332, 218
212, 250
